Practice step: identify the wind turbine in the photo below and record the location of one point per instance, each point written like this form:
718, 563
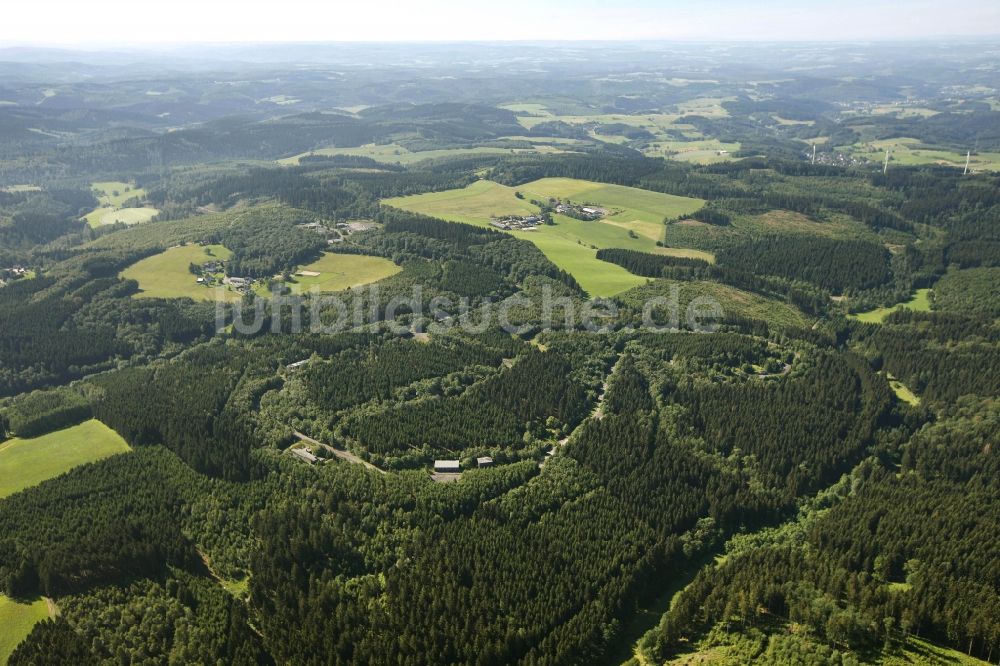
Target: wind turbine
968, 155
885, 167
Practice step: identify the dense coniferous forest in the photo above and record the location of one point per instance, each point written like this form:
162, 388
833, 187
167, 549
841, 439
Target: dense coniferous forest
812, 482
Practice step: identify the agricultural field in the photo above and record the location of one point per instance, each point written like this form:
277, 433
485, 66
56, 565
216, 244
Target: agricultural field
116, 193
639, 210
921, 302
636, 222
166, 275
474, 204
17, 619
699, 151
393, 153
665, 127
908, 152
654, 122
337, 272
28, 462
112, 195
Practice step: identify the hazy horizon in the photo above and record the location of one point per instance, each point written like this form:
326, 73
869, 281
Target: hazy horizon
113, 24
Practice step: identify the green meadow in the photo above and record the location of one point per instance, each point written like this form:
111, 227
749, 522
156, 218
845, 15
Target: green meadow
28, 462
633, 209
903, 391
337, 272
115, 193
665, 128
112, 195
699, 151
17, 618
393, 153
166, 275
635, 222
921, 302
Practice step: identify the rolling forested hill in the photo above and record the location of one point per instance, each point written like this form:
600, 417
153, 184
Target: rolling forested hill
564, 365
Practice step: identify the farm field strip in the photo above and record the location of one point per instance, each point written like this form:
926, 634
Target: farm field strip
28, 462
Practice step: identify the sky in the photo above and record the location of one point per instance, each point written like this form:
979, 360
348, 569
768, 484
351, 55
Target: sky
111, 23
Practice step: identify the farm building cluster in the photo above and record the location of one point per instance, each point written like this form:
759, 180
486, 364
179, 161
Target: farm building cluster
517, 222
337, 232
578, 212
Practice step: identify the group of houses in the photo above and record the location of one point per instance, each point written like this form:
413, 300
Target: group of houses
578, 212
517, 222
240, 284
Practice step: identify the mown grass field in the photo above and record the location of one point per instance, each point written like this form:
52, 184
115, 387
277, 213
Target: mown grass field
393, 153
636, 222
700, 151
129, 216
166, 275
28, 462
342, 271
115, 192
16, 621
112, 195
639, 210
921, 302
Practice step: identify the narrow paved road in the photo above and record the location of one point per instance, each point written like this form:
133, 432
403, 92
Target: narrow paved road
343, 455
